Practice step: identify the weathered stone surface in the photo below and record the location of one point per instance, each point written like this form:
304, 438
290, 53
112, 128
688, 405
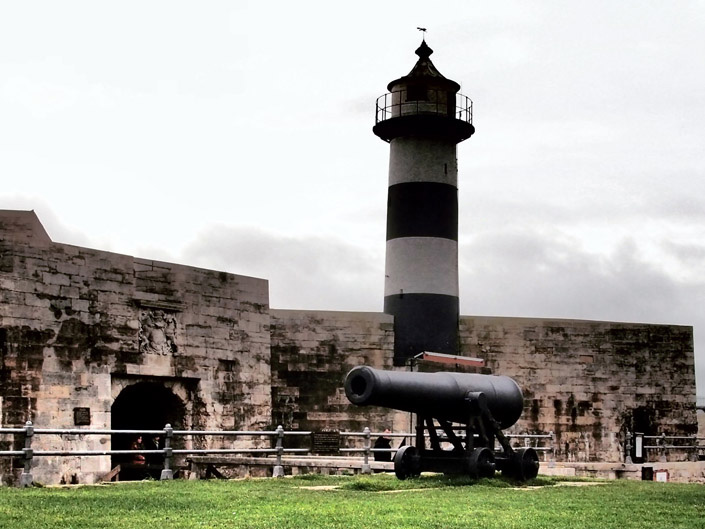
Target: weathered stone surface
590, 381
76, 322
585, 381
312, 351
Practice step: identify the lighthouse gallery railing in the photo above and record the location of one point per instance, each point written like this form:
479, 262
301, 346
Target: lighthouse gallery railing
430, 102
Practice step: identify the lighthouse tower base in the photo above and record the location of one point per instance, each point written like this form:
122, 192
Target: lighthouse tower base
423, 322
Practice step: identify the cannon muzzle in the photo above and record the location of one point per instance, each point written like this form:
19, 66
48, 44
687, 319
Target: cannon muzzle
446, 396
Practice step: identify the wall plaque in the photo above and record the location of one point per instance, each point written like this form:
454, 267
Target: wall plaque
82, 416
325, 442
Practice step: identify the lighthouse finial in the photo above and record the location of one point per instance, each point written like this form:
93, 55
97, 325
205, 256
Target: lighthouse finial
423, 51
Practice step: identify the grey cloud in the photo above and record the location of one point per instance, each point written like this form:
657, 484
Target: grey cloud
303, 273
527, 273
692, 255
678, 206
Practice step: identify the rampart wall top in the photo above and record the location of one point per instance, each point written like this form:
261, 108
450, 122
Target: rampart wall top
23, 226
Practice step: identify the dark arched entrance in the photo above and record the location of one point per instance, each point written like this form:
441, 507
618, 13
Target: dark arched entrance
144, 406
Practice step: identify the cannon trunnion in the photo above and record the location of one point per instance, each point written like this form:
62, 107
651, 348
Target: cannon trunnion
482, 405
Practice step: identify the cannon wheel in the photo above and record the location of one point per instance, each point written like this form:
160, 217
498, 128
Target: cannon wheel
524, 464
406, 462
480, 463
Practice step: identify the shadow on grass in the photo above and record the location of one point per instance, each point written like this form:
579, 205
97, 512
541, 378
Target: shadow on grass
386, 482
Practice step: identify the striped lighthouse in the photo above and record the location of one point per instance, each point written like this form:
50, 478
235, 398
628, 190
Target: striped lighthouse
423, 118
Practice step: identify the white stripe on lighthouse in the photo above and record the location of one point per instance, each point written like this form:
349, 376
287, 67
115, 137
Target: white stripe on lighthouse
413, 159
421, 265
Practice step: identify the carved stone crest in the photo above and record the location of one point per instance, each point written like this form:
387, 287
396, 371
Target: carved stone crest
157, 332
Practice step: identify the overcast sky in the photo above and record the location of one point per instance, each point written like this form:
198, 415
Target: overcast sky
237, 136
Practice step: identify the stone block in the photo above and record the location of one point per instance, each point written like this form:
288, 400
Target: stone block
69, 292
56, 279
68, 268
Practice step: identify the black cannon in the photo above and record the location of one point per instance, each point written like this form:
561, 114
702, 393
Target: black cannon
482, 405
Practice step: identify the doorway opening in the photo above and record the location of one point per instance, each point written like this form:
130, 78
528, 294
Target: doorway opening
642, 423
144, 406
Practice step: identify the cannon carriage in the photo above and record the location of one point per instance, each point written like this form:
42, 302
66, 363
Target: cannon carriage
479, 405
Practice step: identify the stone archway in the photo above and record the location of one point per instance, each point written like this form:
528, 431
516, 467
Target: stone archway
144, 406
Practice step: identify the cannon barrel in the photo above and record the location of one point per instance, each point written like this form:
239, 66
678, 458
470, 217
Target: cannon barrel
438, 395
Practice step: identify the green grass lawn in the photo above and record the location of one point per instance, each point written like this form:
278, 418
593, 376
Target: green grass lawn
377, 502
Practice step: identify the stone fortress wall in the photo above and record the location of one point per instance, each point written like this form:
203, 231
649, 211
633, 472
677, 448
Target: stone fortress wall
124, 342
590, 381
79, 326
586, 381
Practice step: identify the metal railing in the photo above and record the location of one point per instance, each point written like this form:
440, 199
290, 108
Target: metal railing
664, 444
29, 431
433, 102
667, 443
28, 453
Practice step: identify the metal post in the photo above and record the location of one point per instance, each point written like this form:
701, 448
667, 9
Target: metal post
278, 471
366, 468
167, 472
420, 438
552, 460
26, 476
693, 456
628, 449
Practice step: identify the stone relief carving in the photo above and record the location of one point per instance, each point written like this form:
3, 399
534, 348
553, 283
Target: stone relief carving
157, 332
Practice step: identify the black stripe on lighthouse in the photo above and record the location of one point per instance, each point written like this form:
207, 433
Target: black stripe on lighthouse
423, 322
422, 209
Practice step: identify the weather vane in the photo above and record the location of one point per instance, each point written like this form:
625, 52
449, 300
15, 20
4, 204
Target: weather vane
423, 30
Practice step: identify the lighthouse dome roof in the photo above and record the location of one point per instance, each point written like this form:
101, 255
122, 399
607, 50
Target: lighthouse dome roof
424, 72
